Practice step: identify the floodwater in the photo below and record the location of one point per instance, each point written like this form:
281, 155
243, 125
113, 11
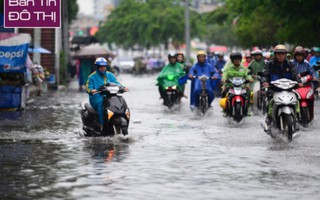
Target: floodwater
169, 155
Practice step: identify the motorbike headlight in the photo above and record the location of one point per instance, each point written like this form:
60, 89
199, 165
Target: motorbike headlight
310, 93
170, 77
110, 114
128, 113
174, 87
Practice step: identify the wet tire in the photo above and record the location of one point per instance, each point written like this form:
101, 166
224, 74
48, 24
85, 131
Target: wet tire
237, 112
304, 117
264, 105
124, 130
203, 104
288, 126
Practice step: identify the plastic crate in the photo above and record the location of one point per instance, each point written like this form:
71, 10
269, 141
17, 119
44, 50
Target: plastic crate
11, 97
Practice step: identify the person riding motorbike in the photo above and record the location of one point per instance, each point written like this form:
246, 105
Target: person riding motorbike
276, 69
180, 59
301, 64
202, 67
247, 60
97, 79
257, 64
235, 70
220, 62
173, 68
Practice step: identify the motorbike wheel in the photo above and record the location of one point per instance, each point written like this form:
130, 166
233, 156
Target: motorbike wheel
288, 123
304, 117
124, 130
264, 105
170, 101
203, 104
237, 112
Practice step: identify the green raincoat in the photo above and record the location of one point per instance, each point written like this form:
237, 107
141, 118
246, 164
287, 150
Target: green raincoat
169, 76
232, 71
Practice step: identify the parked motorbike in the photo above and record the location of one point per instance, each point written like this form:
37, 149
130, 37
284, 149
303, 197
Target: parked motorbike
117, 113
305, 96
284, 109
237, 99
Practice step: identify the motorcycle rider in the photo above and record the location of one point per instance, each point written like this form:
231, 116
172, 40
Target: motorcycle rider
257, 64
235, 70
173, 68
180, 59
276, 69
247, 60
301, 64
97, 79
202, 67
220, 62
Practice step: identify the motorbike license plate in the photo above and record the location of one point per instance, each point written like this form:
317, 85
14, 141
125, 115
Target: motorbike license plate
169, 92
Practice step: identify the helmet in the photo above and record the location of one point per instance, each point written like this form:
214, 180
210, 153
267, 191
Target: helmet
223, 103
280, 48
298, 51
235, 55
317, 49
171, 55
180, 53
247, 55
101, 62
201, 53
256, 52
307, 50
219, 53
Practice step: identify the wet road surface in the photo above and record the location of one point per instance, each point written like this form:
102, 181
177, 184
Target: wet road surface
176, 155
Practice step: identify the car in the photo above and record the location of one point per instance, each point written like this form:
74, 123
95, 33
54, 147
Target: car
125, 64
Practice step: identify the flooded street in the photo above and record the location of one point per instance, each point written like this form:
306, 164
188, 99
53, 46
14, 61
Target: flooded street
174, 155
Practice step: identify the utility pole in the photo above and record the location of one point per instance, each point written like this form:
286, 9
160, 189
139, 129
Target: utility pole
187, 31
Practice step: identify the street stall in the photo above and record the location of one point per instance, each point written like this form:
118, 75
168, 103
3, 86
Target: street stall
13, 70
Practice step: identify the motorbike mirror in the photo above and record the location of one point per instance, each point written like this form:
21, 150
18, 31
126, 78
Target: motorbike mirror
316, 67
261, 74
305, 73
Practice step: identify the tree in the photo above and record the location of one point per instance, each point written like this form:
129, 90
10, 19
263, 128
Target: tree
73, 9
146, 23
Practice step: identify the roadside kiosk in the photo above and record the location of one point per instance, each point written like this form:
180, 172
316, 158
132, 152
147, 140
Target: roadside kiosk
13, 70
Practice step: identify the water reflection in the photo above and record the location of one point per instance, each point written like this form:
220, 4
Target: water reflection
106, 150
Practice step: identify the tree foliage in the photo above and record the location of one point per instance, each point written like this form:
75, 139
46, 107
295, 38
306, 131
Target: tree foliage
147, 23
73, 9
264, 22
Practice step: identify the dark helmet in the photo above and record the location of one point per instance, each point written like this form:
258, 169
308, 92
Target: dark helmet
235, 55
171, 55
280, 48
298, 51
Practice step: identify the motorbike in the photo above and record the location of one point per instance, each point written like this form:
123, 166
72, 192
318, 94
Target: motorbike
284, 109
172, 95
237, 99
203, 97
305, 96
262, 100
116, 113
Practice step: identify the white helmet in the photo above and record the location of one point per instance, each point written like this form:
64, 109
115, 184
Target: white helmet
101, 62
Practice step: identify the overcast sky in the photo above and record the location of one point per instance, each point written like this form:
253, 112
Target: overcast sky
85, 6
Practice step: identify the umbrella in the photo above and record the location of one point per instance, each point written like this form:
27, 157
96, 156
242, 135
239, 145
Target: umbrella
94, 50
38, 50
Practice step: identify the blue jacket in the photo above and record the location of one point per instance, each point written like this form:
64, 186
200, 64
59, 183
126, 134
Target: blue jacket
313, 60
219, 65
97, 79
274, 71
303, 67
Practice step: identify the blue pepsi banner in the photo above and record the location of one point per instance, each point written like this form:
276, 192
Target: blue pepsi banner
13, 58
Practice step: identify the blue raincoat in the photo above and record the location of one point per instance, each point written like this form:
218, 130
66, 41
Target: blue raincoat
95, 80
200, 69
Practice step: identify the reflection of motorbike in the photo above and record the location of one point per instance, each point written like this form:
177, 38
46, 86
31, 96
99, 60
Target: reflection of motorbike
306, 99
237, 99
284, 109
117, 114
